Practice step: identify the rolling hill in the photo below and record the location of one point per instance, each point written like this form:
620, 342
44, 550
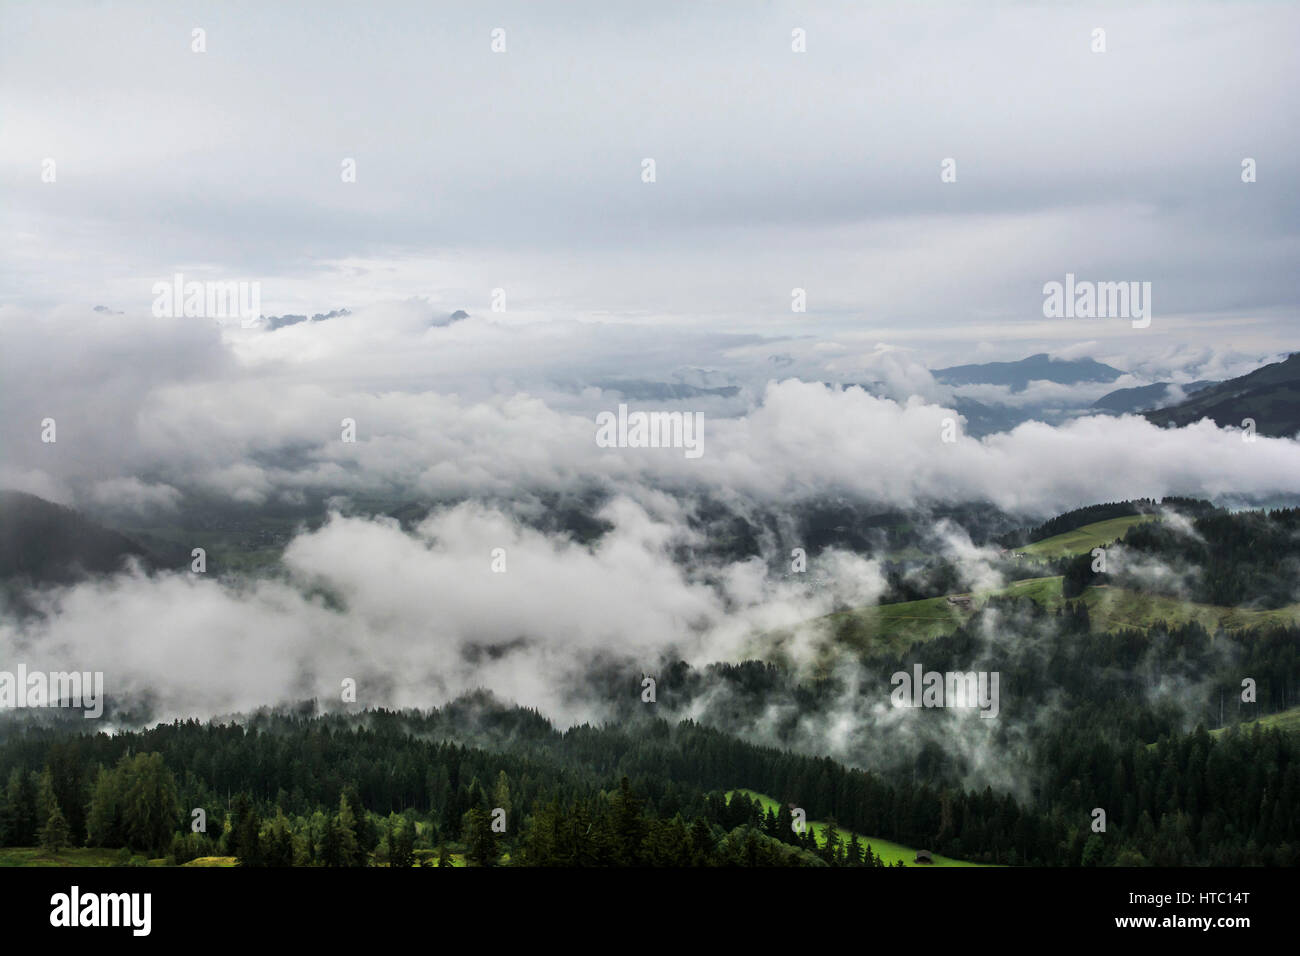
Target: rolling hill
1269, 395
48, 543
1084, 539
898, 626
1143, 397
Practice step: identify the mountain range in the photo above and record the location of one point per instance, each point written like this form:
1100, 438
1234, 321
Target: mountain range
1269, 396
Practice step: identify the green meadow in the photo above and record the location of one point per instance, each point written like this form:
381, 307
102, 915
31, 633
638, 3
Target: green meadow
71, 856
1285, 720
1089, 536
887, 850
896, 627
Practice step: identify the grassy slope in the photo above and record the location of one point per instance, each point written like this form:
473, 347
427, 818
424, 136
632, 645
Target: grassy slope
887, 850
1090, 536
899, 626
1287, 720
97, 856
895, 626
72, 856
1111, 607
1115, 607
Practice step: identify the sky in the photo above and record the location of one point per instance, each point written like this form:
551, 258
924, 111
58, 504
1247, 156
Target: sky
521, 170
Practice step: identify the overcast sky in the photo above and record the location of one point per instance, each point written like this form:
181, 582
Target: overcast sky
774, 169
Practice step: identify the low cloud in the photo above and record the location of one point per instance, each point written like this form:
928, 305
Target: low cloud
470, 598
155, 407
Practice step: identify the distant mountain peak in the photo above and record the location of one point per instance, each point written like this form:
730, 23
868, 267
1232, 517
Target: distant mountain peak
1038, 367
460, 315
273, 322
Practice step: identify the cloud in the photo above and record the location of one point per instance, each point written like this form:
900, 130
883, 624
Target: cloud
149, 408
418, 618
133, 495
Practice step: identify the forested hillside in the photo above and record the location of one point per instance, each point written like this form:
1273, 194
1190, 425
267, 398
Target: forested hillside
347, 790
43, 542
1248, 558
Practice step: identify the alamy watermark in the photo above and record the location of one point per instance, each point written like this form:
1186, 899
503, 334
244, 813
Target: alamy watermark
84, 689
1085, 299
952, 689
651, 430
75, 909
240, 300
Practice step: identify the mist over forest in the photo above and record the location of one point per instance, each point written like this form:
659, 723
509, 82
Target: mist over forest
682, 437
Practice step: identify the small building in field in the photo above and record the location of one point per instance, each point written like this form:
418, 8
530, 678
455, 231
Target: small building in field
959, 601
923, 856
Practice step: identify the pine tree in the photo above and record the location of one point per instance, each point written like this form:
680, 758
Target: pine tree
245, 834
20, 810
785, 826
853, 853
701, 842
55, 833
501, 795
277, 843
830, 851
150, 810
401, 845
364, 828
104, 817
628, 826
330, 850
349, 851
480, 841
